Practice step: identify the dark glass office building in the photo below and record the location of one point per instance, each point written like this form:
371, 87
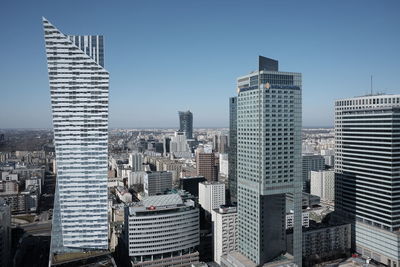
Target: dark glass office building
186, 123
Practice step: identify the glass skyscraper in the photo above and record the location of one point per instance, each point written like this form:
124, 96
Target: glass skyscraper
79, 101
232, 155
367, 173
268, 161
186, 123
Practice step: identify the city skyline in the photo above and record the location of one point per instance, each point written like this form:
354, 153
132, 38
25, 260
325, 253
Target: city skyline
144, 41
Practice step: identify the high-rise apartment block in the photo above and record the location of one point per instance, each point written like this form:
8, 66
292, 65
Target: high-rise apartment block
79, 101
156, 183
323, 184
211, 195
206, 166
367, 134
186, 123
224, 231
136, 161
232, 154
162, 231
268, 161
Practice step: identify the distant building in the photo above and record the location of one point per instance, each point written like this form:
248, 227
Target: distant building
311, 163
136, 161
162, 231
205, 163
156, 183
223, 144
211, 195
224, 232
166, 145
191, 184
232, 154
5, 233
179, 143
136, 178
186, 123
323, 184
223, 165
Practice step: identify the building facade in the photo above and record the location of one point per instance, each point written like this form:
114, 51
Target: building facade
367, 173
311, 163
324, 242
268, 161
211, 195
5, 233
323, 184
186, 123
156, 183
162, 231
232, 154
136, 161
205, 165
79, 101
224, 231
191, 184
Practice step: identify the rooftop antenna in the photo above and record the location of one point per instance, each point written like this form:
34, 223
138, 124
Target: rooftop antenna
371, 84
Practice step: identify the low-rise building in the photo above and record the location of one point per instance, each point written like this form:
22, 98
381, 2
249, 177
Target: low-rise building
162, 231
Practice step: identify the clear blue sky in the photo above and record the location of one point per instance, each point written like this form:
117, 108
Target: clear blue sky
164, 56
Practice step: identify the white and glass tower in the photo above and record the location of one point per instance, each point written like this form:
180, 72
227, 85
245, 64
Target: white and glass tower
268, 161
367, 173
79, 101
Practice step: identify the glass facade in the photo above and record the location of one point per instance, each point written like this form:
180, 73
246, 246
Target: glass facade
186, 123
232, 155
268, 162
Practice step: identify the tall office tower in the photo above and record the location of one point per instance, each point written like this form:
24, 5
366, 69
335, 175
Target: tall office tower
205, 164
323, 184
211, 195
79, 100
156, 183
367, 136
5, 233
268, 161
136, 161
186, 123
311, 163
224, 231
162, 231
232, 154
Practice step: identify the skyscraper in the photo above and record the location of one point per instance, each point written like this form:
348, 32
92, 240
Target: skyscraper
186, 123
367, 135
268, 161
79, 101
232, 153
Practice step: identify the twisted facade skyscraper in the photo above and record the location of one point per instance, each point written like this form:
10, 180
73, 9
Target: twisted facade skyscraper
79, 101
